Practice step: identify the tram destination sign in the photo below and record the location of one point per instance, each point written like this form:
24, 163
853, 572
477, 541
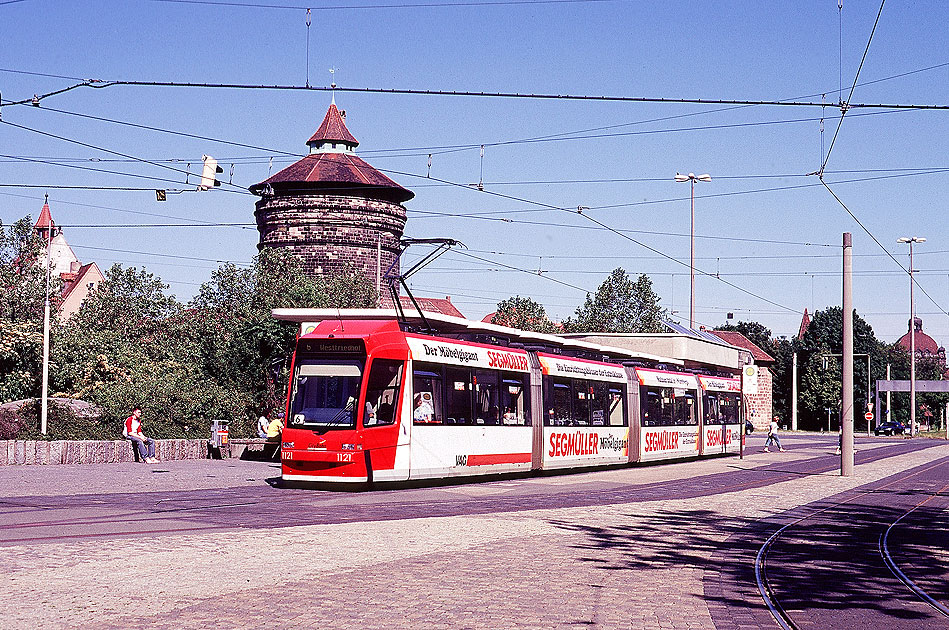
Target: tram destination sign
337, 347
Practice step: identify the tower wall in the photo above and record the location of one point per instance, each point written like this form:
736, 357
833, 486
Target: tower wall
332, 232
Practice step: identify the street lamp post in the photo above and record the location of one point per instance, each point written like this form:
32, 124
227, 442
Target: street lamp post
692, 178
912, 333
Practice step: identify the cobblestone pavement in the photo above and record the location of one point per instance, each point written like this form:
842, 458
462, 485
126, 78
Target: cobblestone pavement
650, 564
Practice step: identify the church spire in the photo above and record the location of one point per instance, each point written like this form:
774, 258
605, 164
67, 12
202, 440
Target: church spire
45, 223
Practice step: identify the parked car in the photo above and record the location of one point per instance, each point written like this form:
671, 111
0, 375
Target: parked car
749, 428
891, 427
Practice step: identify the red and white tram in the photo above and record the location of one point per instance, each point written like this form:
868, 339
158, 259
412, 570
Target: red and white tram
372, 400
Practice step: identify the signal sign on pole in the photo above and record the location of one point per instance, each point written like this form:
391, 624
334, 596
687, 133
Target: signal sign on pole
868, 416
209, 174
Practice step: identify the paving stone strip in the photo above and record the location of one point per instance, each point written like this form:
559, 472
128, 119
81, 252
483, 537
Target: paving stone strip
631, 565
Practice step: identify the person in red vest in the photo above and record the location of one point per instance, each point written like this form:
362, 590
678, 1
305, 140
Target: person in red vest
133, 431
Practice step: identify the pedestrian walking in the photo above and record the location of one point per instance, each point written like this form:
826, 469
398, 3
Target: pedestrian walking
133, 431
773, 436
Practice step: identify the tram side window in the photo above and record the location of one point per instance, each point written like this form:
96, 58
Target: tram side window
686, 409
427, 404
486, 399
712, 409
515, 399
458, 396
666, 406
382, 392
557, 397
582, 397
607, 404
729, 406
658, 408
617, 405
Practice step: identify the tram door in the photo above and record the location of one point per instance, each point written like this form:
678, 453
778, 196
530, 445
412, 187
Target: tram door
382, 433
714, 425
635, 413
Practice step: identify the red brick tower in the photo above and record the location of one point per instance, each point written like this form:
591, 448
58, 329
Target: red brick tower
332, 208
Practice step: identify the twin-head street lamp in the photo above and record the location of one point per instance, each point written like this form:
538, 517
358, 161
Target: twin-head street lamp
912, 333
692, 177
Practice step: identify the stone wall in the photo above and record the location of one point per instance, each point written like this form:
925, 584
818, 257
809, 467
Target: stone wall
331, 232
45, 452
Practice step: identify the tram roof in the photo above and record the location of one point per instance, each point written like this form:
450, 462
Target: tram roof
447, 324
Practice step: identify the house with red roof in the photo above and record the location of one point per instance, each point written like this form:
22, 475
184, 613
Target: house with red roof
761, 403
432, 305
78, 279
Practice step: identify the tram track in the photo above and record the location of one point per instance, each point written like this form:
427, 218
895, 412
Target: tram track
895, 569
770, 593
242, 508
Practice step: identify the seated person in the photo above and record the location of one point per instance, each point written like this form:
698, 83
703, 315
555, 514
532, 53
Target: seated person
424, 409
369, 415
384, 413
509, 416
262, 424
274, 430
132, 430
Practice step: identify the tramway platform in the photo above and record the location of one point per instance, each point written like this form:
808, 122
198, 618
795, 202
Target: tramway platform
212, 543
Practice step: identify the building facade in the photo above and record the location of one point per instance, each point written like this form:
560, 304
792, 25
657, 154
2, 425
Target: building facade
78, 280
926, 347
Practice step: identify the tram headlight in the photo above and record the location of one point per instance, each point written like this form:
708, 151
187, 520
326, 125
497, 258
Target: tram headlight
287, 444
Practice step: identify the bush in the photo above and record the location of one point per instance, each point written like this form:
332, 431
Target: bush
10, 424
62, 422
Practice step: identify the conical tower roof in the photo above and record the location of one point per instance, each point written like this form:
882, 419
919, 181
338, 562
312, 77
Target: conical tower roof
45, 221
333, 128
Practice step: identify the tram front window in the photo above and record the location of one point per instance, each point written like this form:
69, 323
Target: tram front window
325, 394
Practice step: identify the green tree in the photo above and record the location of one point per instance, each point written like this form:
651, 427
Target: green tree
820, 371
523, 313
21, 348
781, 350
23, 288
116, 352
233, 311
22, 278
928, 368
131, 343
619, 305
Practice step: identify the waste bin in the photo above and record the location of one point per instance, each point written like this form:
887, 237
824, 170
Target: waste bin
219, 431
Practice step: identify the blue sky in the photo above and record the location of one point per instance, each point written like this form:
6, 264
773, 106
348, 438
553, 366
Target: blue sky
761, 224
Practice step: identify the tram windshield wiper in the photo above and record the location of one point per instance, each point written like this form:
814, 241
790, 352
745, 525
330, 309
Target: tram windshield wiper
337, 419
